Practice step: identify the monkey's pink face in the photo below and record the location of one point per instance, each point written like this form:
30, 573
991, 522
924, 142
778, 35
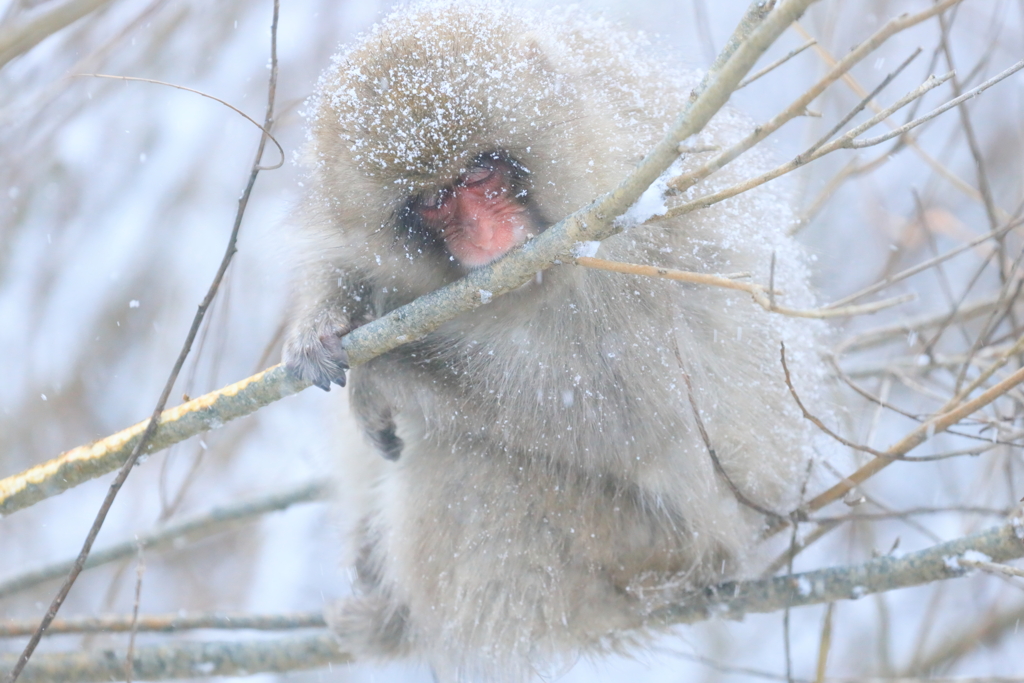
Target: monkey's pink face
480, 217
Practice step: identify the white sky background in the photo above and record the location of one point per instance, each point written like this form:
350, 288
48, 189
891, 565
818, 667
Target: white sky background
113, 193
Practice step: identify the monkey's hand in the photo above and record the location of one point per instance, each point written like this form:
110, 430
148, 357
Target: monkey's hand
313, 351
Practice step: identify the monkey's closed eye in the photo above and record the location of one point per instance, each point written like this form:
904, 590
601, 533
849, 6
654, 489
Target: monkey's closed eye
478, 175
436, 208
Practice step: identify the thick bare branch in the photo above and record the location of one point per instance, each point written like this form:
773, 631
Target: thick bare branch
595, 221
736, 598
199, 415
733, 599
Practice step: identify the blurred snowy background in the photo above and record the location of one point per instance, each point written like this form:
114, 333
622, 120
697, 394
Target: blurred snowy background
116, 200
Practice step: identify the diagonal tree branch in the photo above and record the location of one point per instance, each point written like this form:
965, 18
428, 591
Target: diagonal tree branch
199, 415
597, 221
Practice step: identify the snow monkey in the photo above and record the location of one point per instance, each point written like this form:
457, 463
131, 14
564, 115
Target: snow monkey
544, 478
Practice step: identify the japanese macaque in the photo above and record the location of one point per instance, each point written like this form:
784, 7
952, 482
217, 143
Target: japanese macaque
544, 483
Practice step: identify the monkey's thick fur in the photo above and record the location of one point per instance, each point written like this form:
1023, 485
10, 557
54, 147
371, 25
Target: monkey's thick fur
546, 483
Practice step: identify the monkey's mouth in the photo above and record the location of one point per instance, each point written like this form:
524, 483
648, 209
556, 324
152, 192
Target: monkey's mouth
482, 241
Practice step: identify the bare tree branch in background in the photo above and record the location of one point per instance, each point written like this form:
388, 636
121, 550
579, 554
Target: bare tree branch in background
188, 529
20, 34
151, 424
962, 397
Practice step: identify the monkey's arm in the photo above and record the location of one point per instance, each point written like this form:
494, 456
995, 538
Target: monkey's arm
334, 303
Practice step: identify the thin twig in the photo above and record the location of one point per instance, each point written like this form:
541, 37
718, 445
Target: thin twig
167, 623
972, 139
974, 92
207, 96
950, 414
194, 527
134, 625
908, 140
925, 265
985, 374
719, 469
776, 64
959, 643
992, 567
757, 292
824, 644
889, 333
910, 512
847, 141
891, 28
785, 559
125, 470
22, 36
814, 419
890, 77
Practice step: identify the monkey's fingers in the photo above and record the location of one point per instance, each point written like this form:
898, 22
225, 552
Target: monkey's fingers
319, 359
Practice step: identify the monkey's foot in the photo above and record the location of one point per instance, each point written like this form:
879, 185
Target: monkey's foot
315, 354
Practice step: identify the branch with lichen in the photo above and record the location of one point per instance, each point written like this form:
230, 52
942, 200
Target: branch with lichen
733, 599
